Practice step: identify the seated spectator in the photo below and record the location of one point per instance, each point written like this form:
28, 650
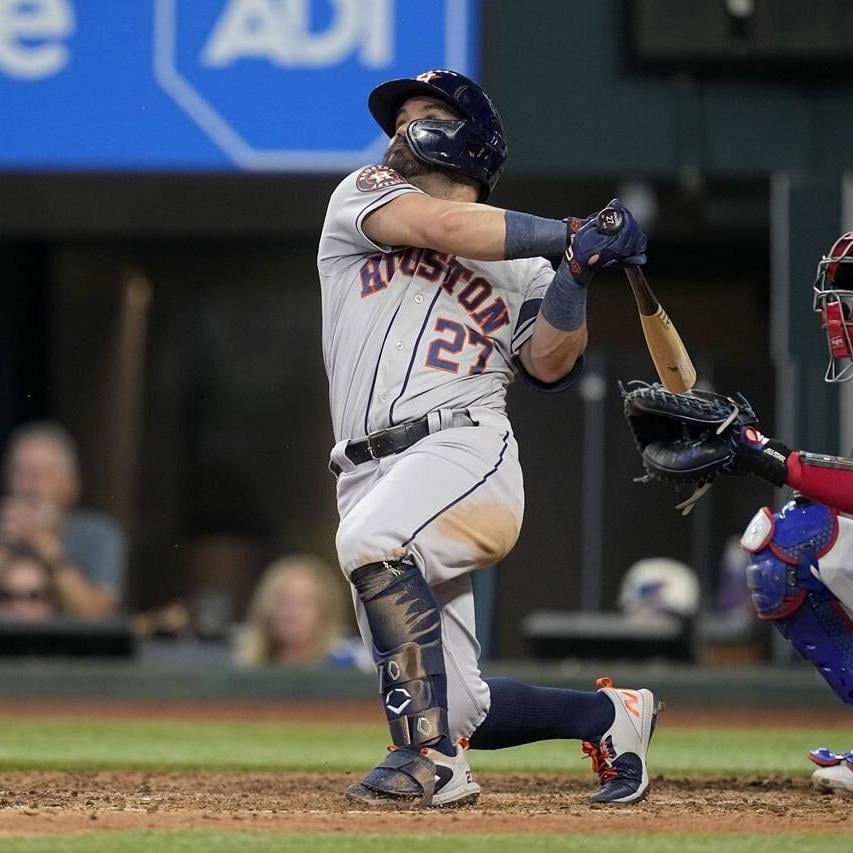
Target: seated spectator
87, 549
27, 588
296, 616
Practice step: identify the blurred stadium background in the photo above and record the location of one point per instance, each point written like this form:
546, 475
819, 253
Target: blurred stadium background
165, 170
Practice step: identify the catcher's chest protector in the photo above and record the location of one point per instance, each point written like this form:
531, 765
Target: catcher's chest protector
796, 553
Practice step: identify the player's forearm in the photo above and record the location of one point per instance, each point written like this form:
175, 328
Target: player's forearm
551, 353
559, 333
475, 231
825, 479
466, 229
485, 233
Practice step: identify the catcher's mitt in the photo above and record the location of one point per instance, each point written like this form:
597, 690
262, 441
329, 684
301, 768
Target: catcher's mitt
686, 438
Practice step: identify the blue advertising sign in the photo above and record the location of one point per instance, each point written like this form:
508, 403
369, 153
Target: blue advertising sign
212, 84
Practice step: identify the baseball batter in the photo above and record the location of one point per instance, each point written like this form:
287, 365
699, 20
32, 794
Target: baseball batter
433, 302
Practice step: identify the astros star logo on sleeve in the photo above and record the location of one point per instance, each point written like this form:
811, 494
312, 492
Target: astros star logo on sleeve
372, 178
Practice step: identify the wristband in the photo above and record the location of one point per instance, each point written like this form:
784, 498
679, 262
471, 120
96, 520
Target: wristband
762, 456
564, 305
529, 236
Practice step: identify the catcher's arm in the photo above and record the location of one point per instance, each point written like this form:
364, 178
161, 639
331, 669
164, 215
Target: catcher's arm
825, 479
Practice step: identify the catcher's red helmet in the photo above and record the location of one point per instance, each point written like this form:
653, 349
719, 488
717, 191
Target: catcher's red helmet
833, 300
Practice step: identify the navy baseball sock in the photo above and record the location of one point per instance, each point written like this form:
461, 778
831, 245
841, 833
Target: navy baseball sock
403, 616
521, 713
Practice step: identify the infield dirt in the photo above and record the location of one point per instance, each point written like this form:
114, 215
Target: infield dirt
47, 802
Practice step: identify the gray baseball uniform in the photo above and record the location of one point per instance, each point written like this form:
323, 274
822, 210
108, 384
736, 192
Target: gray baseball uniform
409, 333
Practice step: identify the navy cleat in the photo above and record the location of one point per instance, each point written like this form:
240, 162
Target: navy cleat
408, 779
619, 757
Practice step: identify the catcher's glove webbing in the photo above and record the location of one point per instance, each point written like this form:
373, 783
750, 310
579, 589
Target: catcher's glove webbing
686, 438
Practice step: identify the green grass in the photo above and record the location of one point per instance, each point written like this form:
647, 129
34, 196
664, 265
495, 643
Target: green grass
250, 842
146, 745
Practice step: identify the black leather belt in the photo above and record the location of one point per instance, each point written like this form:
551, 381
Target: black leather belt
396, 439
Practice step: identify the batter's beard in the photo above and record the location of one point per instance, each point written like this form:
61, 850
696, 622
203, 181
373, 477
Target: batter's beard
399, 157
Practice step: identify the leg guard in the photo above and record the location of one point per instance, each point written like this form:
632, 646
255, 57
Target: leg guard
406, 628
821, 631
407, 677
784, 576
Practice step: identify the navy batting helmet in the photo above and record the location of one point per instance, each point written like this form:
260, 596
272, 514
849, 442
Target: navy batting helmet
474, 145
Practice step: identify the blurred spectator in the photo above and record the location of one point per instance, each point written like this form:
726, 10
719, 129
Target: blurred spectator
659, 586
87, 549
28, 591
733, 597
296, 616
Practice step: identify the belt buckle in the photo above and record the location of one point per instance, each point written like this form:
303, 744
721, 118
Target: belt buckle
370, 446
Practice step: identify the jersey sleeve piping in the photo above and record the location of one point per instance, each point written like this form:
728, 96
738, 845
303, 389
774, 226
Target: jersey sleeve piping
524, 326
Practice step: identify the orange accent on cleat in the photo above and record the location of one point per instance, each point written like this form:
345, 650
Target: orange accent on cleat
464, 742
600, 765
631, 701
604, 681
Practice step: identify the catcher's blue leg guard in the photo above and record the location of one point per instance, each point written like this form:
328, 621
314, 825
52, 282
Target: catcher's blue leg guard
784, 576
406, 628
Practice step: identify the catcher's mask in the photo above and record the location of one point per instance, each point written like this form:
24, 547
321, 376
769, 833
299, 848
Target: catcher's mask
833, 300
474, 145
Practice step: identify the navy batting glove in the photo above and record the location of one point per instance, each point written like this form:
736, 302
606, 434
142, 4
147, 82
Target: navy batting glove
574, 224
590, 250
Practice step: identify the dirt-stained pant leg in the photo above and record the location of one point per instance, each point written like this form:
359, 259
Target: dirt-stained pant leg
453, 503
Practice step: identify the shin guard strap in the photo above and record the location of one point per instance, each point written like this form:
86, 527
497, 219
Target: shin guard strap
419, 728
409, 662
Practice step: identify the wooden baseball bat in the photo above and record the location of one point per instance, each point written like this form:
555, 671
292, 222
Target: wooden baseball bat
669, 355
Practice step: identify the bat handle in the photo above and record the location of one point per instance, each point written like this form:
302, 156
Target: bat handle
647, 303
610, 221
